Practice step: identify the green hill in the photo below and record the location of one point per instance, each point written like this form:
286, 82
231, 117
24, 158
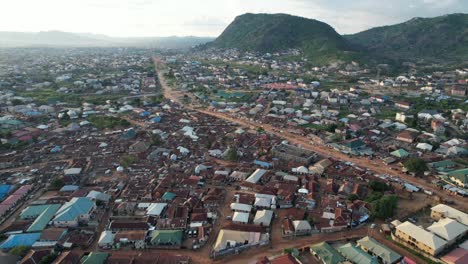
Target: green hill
439, 39
279, 32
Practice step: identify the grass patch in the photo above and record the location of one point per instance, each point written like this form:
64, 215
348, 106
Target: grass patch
103, 122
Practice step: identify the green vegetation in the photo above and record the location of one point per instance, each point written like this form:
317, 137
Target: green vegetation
378, 186
128, 160
232, 154
57, 184
46, 96
276, 32
416, 165
441, 39
19, 250
384, 207
103, 122
353, 197
156, 140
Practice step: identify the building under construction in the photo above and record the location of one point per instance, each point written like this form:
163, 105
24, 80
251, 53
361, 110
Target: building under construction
289, 153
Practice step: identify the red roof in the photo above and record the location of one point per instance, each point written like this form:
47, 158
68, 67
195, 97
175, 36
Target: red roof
457, 256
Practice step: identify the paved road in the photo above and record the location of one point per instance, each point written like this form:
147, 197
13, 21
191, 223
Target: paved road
305, 143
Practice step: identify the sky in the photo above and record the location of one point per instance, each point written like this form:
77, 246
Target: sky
144, 18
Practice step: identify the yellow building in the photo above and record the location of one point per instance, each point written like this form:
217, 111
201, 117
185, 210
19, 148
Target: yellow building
420, 238
441, 211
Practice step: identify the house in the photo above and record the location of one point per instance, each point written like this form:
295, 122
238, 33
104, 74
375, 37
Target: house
353, 145
400, 153
20, 240
167, 238
43, 218
240, 218
98, 196
456, 256
326, 253
77, 210
139, 147
460, 177
383, 253
135, 238
448, 229
403, 105
106, 239
356, 254
301, 227
95, 258
228, 239
255, 177
239, 207
283, 259
403, 117
263, 217
407, 136
441, 211
155, 209
458, 91
419, 238
438, 127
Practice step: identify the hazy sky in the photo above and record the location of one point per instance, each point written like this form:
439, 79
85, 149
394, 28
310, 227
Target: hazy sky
205, 17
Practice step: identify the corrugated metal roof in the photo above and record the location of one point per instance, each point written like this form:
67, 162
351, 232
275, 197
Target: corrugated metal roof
20, 240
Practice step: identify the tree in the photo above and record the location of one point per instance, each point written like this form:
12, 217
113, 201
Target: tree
353, 197
16, 102
57, 184
19, 250
128, 160
384, 207
232, 154
378, 186
156, 140
416, 165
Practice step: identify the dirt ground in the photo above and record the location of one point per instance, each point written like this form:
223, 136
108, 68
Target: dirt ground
408, 205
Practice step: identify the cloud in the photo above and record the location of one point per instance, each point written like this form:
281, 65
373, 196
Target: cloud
206, 17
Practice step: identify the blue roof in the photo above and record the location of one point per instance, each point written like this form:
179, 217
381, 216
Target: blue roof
145, 113
4, 190
169, 196
69, 188
71, 210
156, 119
20, 240
56, 149
263, 164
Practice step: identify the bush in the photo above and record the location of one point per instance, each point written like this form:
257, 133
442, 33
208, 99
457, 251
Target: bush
19, 250
416, 165
128, 160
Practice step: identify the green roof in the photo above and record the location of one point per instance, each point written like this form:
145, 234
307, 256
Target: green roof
165, 237
169, 196
401, 153
34, 211
442, 164
95, 258
44, 218
354, 144
461, 175
327, 253
387, 255
356, 254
